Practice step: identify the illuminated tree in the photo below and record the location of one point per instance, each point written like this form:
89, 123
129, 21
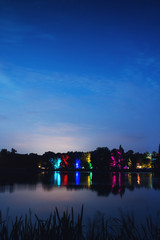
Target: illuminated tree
117, 158
147, 161
129, 163
74, 160
55, 163
86, 160
64, 161
130, 160
143, 160
78, 163
113, 162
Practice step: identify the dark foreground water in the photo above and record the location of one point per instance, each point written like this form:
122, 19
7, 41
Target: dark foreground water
108, 194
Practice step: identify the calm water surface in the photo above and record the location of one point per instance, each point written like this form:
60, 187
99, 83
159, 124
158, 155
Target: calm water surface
99, 193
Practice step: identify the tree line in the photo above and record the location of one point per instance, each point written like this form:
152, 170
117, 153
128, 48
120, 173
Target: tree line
101, 159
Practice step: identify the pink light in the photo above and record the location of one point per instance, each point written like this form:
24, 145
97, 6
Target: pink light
125, 167
113, 180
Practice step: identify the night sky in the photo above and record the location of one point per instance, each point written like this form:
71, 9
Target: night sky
77, 75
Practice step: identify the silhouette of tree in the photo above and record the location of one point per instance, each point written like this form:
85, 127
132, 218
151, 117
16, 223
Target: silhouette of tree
13, 151
100, 158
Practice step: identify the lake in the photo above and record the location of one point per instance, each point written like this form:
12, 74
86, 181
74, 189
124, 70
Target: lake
108, 194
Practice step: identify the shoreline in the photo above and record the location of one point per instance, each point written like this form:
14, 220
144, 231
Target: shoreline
33, 171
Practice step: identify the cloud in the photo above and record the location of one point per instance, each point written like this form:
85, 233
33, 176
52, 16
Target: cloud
63, 129
61, 84
58, 137
52, 90
6, 80
56, 95
62, 112
40, 143
54, 82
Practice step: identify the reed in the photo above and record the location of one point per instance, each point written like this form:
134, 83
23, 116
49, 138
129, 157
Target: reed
65, 227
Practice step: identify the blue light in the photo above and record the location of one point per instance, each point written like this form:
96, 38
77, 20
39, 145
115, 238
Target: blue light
55, 163
77, 178
78, 163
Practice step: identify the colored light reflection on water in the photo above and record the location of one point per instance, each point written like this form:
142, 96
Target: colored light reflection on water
64, 179
90, 175
57, 178
77, 176
130, 178
138, 179
107, 193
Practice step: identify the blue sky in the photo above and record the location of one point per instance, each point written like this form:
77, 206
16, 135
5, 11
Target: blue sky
77, 75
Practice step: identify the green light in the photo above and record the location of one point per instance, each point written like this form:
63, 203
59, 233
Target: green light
90, 178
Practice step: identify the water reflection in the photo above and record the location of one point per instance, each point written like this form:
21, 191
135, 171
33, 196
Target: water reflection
103, 184
116, 180
138, 179
77, 176
57, 179
64, 179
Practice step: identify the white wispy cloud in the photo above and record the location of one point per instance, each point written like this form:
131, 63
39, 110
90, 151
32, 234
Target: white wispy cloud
42, 80
49, 107
39, 143
64, 129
